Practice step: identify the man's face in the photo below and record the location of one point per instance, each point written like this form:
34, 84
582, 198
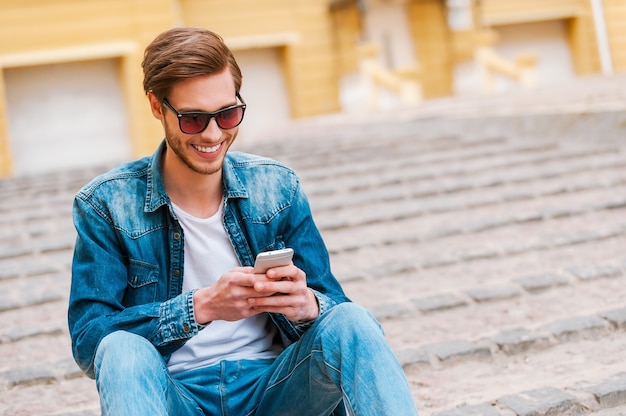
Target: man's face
202, 152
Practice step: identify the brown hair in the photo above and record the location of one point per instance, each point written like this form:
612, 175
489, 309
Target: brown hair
185, 52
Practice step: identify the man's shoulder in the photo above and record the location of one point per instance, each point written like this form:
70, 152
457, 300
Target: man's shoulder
117, 177
251, 164
248, 160
249, 174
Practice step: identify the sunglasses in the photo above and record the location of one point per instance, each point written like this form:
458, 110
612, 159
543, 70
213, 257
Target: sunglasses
194, 122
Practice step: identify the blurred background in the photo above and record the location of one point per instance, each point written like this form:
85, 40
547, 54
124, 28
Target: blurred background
70, 75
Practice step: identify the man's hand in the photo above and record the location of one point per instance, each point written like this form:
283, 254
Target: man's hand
240, 294
284, 290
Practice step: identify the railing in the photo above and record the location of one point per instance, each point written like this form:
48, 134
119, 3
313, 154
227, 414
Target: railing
404, 83
521, 69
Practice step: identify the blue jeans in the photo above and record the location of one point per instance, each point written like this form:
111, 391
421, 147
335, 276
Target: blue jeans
342, 360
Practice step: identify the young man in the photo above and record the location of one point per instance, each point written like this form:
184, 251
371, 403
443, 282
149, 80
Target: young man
165, 310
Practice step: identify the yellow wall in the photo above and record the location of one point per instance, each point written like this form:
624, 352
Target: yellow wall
5, 149
433, 42
615, 16
576, 13
499, 12
346, 27
317, 45
40, 32
309, 60
583, 44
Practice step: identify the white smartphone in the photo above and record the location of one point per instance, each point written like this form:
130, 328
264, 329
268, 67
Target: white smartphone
267, 260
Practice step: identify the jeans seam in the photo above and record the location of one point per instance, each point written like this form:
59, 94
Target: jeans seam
293, 369
181, 392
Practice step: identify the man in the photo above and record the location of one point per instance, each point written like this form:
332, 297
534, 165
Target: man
165, 310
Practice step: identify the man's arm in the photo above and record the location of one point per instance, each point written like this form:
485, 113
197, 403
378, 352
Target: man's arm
100, 276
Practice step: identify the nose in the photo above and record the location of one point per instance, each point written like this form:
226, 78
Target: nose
212, 131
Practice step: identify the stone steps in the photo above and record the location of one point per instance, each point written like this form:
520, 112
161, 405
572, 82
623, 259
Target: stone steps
492, 250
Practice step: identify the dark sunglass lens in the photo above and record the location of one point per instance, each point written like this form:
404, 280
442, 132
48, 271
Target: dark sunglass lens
193, 123
230, 118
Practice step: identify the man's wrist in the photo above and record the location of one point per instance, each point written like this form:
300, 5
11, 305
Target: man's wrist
314, 309
200, 315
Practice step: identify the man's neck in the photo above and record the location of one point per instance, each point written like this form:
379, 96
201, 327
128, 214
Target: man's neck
197, 194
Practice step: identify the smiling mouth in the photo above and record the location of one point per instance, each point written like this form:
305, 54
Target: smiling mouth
211, 149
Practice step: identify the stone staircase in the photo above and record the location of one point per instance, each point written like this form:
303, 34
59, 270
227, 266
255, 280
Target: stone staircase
490, 244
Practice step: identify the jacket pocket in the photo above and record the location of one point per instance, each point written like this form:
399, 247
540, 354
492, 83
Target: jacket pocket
142, 283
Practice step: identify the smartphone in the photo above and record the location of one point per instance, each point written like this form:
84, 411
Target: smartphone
267, 260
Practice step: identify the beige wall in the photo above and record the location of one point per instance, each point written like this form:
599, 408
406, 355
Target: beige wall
434, 46
301, 27
615, 17
499, 12
40, 32
577, 14
316, 47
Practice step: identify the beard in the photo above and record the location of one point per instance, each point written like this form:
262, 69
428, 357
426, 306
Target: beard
181, 150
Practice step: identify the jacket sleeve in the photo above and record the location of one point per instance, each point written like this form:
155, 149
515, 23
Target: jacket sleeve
100, 275
310, 255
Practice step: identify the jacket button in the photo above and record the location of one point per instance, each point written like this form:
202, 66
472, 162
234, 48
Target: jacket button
176, 273
176, 236
186, 328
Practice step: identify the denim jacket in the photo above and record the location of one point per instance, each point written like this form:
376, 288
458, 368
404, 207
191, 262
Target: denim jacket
127, 272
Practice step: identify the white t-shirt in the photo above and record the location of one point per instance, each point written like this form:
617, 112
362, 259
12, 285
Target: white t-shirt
209, 254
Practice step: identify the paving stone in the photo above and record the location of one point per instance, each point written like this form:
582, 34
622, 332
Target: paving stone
591, 272
546, 401
68, 369
617, 317
528, 217
540, 282
21, 332
439, 302
611, 232
576, 328
484, 409
413, 357
27, 376
478, 253
519, 248
456, 349
610, 392
390, 310
20, 296
30, 269
392, 268
400, 239
517, 195
519, 340
8, 270
568, 239
14, 251
493, 293
59, 243
442, 232
557, 213
439, 261
616, 203
487, 224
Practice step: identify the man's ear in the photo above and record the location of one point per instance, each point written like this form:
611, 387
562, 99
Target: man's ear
155, 106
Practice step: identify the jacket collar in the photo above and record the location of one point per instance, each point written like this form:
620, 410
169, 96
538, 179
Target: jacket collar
156, 196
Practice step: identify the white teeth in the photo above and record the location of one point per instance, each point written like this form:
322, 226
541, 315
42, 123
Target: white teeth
208, 149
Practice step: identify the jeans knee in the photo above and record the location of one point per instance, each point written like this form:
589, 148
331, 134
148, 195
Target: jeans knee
353, 319
353, 313
121, 353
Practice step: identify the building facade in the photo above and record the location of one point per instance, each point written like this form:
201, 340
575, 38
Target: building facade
70, 70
